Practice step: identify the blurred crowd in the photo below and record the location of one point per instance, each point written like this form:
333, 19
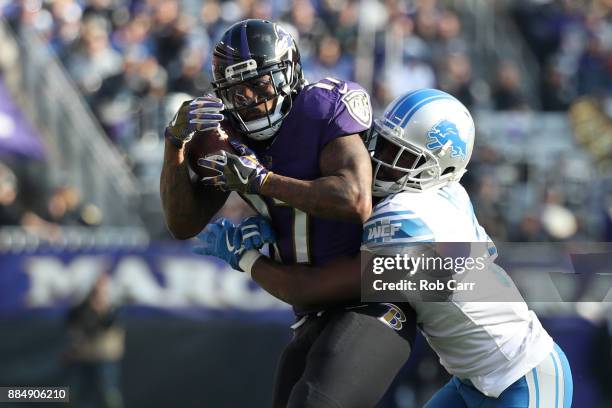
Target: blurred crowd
127, 55
134, 59
42, 208
572, 42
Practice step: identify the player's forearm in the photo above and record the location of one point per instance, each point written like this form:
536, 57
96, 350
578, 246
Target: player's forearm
331, 197
308, 287
184, 213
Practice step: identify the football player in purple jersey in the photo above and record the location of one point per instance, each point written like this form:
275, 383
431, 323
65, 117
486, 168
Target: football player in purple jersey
303, 166
311, 174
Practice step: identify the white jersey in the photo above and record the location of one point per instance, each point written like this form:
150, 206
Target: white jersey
492, 344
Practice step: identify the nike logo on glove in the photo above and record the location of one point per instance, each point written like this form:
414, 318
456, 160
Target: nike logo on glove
239, 175
230, 247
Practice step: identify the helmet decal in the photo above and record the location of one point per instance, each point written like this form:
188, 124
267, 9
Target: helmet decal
283, 41
443, 133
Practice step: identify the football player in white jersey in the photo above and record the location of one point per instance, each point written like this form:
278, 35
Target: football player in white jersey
498, 352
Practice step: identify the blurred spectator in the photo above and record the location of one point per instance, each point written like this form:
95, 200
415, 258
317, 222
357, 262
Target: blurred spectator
329, 61
456, 78
65, 207
595, 69
169, 32
95, 349
426, 24
100, 8
68, 16
346, 26
488, 198
308, 25
507, 93
135, 36
192, 79
407, 57
554, 94
449, 39
94, 60
414, 72
210, 18
13, 211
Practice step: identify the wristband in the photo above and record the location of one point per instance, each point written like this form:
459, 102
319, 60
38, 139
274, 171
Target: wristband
248, 260
268, 174
178, 143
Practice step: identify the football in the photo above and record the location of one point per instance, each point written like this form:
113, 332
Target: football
202, 144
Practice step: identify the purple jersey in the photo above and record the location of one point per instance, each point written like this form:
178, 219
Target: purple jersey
321, 112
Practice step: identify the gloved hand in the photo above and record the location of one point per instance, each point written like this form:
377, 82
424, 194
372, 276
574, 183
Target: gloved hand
221, 239
200, 114
205, 113
243, 173
255, 232
236, 245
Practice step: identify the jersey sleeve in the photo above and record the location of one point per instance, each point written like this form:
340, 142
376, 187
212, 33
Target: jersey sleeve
352, 114
394, 227
344, 108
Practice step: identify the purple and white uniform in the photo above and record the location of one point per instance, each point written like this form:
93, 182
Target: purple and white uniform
321, 112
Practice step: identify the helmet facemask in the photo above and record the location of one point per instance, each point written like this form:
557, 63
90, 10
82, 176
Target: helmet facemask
407, 168
257, 99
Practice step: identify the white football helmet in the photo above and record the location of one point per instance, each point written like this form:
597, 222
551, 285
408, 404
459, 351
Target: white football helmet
434, 136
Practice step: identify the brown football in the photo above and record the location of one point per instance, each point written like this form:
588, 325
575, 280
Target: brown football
202, 144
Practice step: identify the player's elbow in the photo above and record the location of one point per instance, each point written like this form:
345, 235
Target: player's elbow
364, 208
360, 205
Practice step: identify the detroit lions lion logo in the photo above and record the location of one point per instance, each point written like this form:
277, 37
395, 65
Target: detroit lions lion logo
443, 132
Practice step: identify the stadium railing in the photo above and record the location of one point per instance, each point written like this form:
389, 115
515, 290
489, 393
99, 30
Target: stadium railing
79, 153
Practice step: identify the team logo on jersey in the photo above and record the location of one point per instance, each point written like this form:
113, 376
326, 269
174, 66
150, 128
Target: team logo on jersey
358, 105
444, 132
394, 317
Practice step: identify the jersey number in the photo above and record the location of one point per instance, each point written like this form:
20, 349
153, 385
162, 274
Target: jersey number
299, 227
301, 243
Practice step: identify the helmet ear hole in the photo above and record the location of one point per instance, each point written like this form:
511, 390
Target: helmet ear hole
448, 170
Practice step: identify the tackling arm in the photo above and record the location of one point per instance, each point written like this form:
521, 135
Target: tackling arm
308, 287
343, 192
